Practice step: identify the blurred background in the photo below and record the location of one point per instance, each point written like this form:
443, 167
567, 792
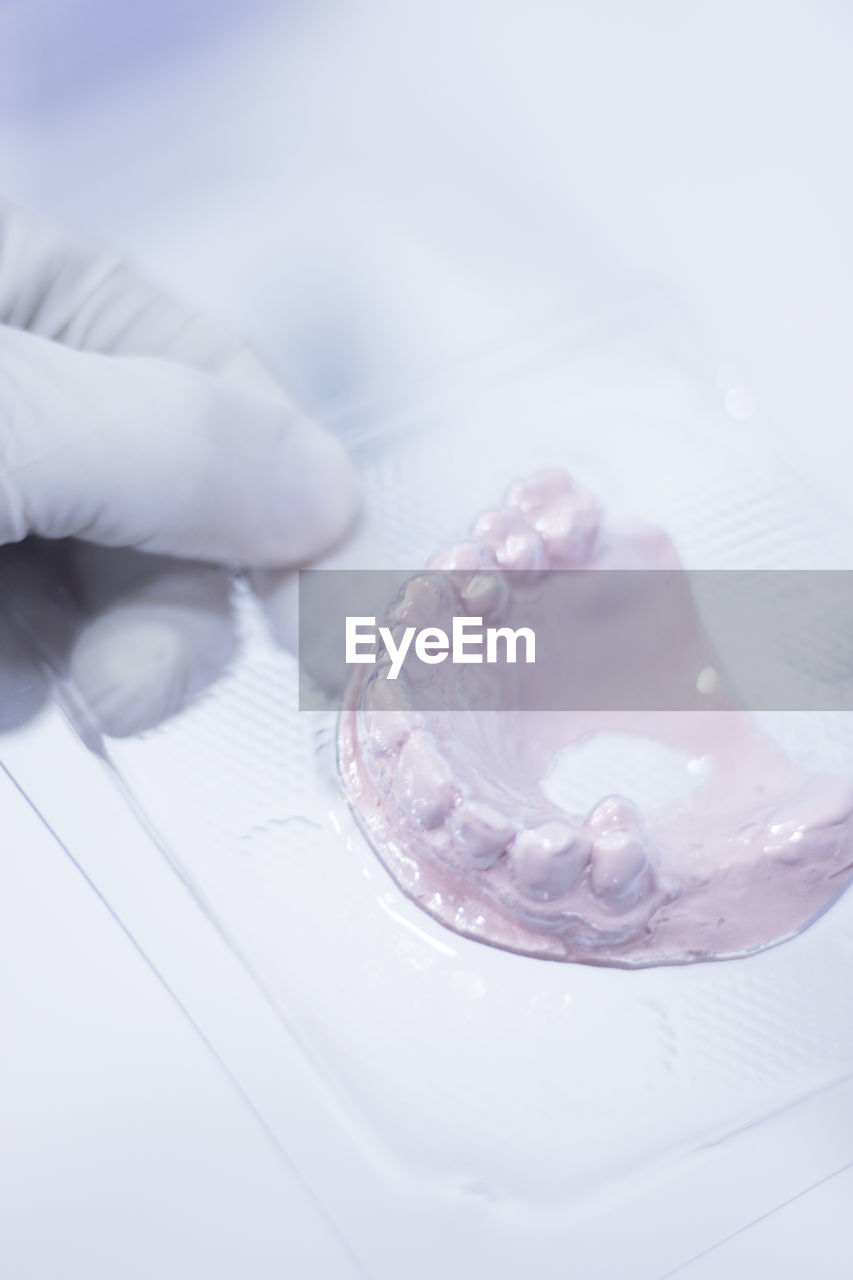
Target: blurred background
373, 191
377, 194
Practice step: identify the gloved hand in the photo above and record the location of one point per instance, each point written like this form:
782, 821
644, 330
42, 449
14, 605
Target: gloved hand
142, 449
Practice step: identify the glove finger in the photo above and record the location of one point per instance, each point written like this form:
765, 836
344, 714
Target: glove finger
133, 450
158, 631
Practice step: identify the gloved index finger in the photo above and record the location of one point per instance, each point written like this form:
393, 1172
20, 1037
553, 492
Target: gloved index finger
143, 452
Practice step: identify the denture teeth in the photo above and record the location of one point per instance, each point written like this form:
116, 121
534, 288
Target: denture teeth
569, 529
423, 785
514, 543
492, 527
548, 860
426, 600
566, 518
518, 872
386, 715
480, 833
470, 556
619, 867
423, 601
522, 550
613, 813
485, 595
471, 566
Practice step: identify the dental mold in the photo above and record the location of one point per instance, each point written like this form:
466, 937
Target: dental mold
452, 801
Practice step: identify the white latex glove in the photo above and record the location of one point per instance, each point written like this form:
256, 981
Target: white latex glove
129, 424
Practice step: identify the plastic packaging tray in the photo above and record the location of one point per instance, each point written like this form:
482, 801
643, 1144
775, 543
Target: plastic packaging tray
449, 1104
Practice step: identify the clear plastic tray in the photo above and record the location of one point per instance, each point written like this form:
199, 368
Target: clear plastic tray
449, 1104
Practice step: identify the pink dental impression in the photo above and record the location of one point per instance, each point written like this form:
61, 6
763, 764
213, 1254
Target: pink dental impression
452, 803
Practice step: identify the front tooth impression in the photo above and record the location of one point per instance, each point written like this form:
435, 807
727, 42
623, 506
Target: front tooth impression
423, 785
387, 716
566, 518
613, 812
452, 797
619, 866
514, 543
548, 860
480, 833
485, 595
424, 599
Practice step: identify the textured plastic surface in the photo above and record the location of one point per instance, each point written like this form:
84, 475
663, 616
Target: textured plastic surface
474, 1079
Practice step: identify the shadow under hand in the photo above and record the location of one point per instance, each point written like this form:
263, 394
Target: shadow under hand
135, 637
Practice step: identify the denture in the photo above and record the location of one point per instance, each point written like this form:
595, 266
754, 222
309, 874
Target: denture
451, 799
